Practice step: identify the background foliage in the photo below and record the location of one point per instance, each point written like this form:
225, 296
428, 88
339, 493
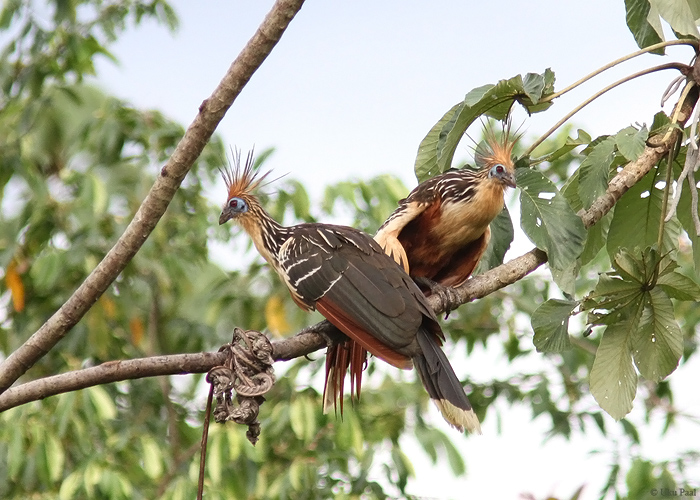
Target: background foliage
76, 163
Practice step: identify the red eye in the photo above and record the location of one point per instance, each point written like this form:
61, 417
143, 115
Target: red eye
233, 203
500, 169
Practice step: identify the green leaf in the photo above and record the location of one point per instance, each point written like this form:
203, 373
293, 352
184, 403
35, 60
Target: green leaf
426, 165
657, 343
613, 379
679, 14
570, 144
548, 220
636, 219
550, 321
645, 34
679, 286
684, 214
501, 238
47, 269
640, 479
631, 142
436, 151
153, 457
597, 237
55, 457
595, 171
106, 409
70, 486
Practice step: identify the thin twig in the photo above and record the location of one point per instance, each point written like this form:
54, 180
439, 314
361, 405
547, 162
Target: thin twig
205, 438
651, 48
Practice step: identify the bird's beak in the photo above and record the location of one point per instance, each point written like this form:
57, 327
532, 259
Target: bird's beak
225, 215
509, 179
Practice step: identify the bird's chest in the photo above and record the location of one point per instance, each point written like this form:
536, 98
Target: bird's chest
445, 228
458, 224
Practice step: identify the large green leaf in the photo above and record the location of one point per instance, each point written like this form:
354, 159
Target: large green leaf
550, 322
501, 238
426, 165
636, 219
613, 379
657, 344
638, 21
437, 149
548, 220
685, 216
595, 171
680, 14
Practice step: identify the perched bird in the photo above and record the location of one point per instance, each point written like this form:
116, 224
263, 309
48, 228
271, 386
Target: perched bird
344, 274
441, 229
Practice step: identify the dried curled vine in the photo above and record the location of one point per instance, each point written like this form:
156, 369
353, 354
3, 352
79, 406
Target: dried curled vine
248, 371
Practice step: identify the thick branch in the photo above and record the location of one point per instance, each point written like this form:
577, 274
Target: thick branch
317, 336
154, 205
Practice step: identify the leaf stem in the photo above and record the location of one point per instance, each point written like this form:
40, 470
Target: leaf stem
664, 202
651, 48
674, 65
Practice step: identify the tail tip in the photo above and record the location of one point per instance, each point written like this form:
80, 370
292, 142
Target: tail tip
459, 418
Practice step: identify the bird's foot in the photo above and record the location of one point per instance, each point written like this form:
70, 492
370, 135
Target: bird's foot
447, 294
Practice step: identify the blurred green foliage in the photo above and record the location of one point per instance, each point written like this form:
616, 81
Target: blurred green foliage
75, 165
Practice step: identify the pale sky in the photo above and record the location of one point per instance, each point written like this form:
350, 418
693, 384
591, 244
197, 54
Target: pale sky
352, 89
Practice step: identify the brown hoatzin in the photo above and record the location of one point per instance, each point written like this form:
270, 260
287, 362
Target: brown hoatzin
344, 274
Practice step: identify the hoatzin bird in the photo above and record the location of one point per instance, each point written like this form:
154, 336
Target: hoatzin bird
441, 229
344, 274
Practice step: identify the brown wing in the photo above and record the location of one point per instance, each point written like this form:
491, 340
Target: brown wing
346, 276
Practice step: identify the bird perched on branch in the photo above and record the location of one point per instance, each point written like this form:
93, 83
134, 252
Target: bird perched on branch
344, 274
441, 229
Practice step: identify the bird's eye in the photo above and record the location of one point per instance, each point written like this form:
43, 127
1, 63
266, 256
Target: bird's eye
497, 170
238, 205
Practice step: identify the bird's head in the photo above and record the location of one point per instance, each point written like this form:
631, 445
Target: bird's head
241, 182
496, 155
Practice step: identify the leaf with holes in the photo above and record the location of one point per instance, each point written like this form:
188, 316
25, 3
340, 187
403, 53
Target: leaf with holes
595, 171
613, 379
550, 322
636, 219
657, 343
548, 220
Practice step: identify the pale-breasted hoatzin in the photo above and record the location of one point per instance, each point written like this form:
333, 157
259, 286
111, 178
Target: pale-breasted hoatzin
441, 229
344, 274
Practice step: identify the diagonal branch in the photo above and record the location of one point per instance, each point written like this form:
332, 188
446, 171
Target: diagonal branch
316, 337
211, 112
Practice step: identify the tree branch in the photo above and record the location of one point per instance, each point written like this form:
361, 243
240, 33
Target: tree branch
317, 336
154, 205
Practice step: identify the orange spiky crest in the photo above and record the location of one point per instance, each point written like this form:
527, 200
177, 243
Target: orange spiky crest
494, 150
242, 181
